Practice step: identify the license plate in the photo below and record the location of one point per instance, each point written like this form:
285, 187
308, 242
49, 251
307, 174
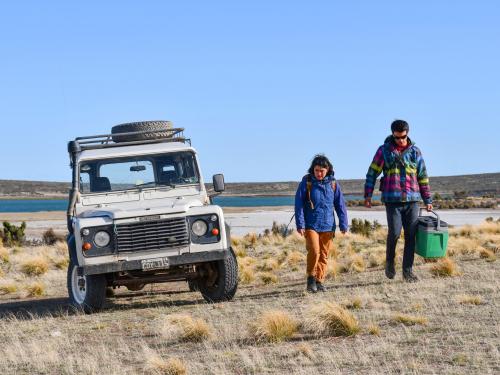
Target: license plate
155, 264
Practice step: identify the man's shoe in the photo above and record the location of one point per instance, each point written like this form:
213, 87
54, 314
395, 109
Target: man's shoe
409, 276
390, 271
311, 285
320, 287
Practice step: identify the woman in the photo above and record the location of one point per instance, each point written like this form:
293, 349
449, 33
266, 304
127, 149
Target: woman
317, 196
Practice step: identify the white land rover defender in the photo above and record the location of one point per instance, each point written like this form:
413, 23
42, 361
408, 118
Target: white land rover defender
139, 213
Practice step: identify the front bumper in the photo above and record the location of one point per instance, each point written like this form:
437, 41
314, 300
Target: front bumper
175, 260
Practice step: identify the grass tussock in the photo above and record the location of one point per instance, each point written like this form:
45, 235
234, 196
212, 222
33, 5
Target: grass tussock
156, 365
295, 258
330, 319
306, 350
273, 326
61, 263
4, 255
357, 263
410, 320
8, 287
35, 266
469, 300
487, 254
374, 330
269, 265
445, 268
246, 275
268, 278
36, 289
186, 328
354, 303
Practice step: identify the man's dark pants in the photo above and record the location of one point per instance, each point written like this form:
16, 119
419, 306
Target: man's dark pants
402, 215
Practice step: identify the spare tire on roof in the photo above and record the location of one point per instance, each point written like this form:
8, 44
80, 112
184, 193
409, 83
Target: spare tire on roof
160, 129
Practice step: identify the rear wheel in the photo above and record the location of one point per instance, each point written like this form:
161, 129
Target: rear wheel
86, 292
221, 280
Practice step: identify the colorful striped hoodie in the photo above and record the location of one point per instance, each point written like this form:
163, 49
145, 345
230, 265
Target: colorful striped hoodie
405, 177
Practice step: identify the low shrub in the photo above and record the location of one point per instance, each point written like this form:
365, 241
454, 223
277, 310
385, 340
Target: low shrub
273, 326
445, 268
35, 267
330, 319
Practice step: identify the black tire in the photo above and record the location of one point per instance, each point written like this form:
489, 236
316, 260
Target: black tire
161, 129
225, 283
89, 299
193, 285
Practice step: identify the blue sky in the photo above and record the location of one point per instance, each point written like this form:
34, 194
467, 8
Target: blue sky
260, 86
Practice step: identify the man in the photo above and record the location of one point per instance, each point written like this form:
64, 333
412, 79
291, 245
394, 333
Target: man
404, 182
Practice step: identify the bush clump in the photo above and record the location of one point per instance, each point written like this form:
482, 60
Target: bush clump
13, 235
330, 319
35, 266
274, 326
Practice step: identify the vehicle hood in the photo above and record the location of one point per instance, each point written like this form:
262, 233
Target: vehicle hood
164, 206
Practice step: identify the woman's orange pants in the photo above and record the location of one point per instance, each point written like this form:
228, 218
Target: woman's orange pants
318, 246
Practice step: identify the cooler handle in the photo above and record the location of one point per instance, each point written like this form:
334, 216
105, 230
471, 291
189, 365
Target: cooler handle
434, 212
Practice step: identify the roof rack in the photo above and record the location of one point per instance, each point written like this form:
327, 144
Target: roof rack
94, 142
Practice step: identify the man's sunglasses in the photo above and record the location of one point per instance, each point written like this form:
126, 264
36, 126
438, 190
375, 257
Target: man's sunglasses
401, 138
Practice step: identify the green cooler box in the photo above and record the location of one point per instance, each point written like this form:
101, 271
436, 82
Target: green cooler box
432, 236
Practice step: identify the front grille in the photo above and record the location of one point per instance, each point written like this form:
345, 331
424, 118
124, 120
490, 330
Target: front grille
152, 235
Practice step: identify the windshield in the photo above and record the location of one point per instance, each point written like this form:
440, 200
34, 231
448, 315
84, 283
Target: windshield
148, 171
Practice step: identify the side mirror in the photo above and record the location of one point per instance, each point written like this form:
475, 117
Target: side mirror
218, 181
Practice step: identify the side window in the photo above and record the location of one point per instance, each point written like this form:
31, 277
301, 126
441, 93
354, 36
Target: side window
84, 182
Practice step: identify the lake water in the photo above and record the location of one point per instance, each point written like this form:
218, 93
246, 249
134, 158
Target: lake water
36, 205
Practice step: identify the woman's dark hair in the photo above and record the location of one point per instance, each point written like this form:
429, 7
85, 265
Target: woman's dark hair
322, 161
400, 126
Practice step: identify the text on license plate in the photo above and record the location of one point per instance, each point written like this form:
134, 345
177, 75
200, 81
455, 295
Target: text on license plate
154, 264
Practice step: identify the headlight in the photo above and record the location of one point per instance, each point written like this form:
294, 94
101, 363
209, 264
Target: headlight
102, 239
199, 228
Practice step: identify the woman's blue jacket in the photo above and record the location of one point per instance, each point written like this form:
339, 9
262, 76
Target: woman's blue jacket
321, 218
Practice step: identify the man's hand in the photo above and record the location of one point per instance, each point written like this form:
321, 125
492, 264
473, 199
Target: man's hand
429, 207
368, 202
301, 231
344, 231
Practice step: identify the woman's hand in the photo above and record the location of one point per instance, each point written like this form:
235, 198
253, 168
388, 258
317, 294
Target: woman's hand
301, 231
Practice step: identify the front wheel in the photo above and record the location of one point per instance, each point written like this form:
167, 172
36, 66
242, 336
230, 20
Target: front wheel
221, 280
86, 292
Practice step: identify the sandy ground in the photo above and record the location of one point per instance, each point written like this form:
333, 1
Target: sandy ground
248, 219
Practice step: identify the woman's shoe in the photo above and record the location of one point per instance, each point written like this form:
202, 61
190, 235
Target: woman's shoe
311, 285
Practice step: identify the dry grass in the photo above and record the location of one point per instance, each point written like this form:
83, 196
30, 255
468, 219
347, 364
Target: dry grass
156, 365
4, 255
469, 300
295, 258
246, 274
8, 287
374, 330
185, 328
306, 350
445, 268
273, 326
330, 319
46, 338
357, 263
269, 265
268, 278
488, 255
410, 320
35, 266
354, 303
35, 289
